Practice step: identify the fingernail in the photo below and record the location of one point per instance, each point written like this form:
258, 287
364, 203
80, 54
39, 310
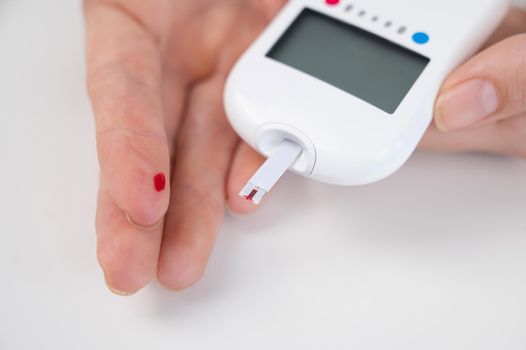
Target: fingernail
165, 287
116, 291
142, 227
466, 104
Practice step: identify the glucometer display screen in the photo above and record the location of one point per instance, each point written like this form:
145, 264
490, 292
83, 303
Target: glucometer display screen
363, 64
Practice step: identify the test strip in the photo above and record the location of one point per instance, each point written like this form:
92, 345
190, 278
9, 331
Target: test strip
271, 171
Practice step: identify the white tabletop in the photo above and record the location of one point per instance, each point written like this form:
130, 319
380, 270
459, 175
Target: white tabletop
432, 258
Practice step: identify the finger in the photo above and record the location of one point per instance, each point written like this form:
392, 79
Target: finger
124, 82
513, 24
490, 86
271, 7
128, 256
505, 137
204, 151
245, 163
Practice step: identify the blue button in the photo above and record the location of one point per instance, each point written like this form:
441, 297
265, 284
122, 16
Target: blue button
420, 38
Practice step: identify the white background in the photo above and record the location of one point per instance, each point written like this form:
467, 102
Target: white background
432, 258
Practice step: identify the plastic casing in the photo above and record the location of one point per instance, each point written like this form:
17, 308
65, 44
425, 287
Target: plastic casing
346, 140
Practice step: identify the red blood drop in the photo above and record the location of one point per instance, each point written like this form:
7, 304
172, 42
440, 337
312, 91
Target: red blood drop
252, 194
332, 2
159, 182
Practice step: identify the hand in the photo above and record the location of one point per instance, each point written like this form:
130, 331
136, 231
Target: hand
156, 71
482, 105
169, 160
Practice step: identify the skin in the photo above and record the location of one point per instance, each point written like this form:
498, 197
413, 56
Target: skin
156, 71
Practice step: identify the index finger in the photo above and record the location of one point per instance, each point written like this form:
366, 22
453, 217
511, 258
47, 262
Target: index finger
514, 23
124, 82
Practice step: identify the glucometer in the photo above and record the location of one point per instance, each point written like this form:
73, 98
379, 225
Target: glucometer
343, 91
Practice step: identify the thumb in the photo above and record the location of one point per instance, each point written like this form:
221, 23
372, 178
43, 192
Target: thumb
489, 87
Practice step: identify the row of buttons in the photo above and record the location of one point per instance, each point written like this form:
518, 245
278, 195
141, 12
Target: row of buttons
418, 37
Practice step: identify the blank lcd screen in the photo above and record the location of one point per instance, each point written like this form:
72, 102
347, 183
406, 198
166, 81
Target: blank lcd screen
365, 65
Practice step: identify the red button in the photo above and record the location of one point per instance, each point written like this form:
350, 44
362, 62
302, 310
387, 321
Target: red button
332, 2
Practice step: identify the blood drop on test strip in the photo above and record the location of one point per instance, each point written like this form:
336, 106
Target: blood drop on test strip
271, 171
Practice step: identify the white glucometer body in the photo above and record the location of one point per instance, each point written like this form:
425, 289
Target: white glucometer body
352, 82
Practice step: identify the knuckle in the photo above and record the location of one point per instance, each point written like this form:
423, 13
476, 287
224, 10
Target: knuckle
119, 98
116, 78
212, 200
131, 143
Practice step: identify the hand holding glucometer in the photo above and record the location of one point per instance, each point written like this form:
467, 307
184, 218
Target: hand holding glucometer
353, 85
338, 91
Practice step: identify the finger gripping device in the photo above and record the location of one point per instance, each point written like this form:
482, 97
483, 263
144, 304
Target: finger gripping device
351, 84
